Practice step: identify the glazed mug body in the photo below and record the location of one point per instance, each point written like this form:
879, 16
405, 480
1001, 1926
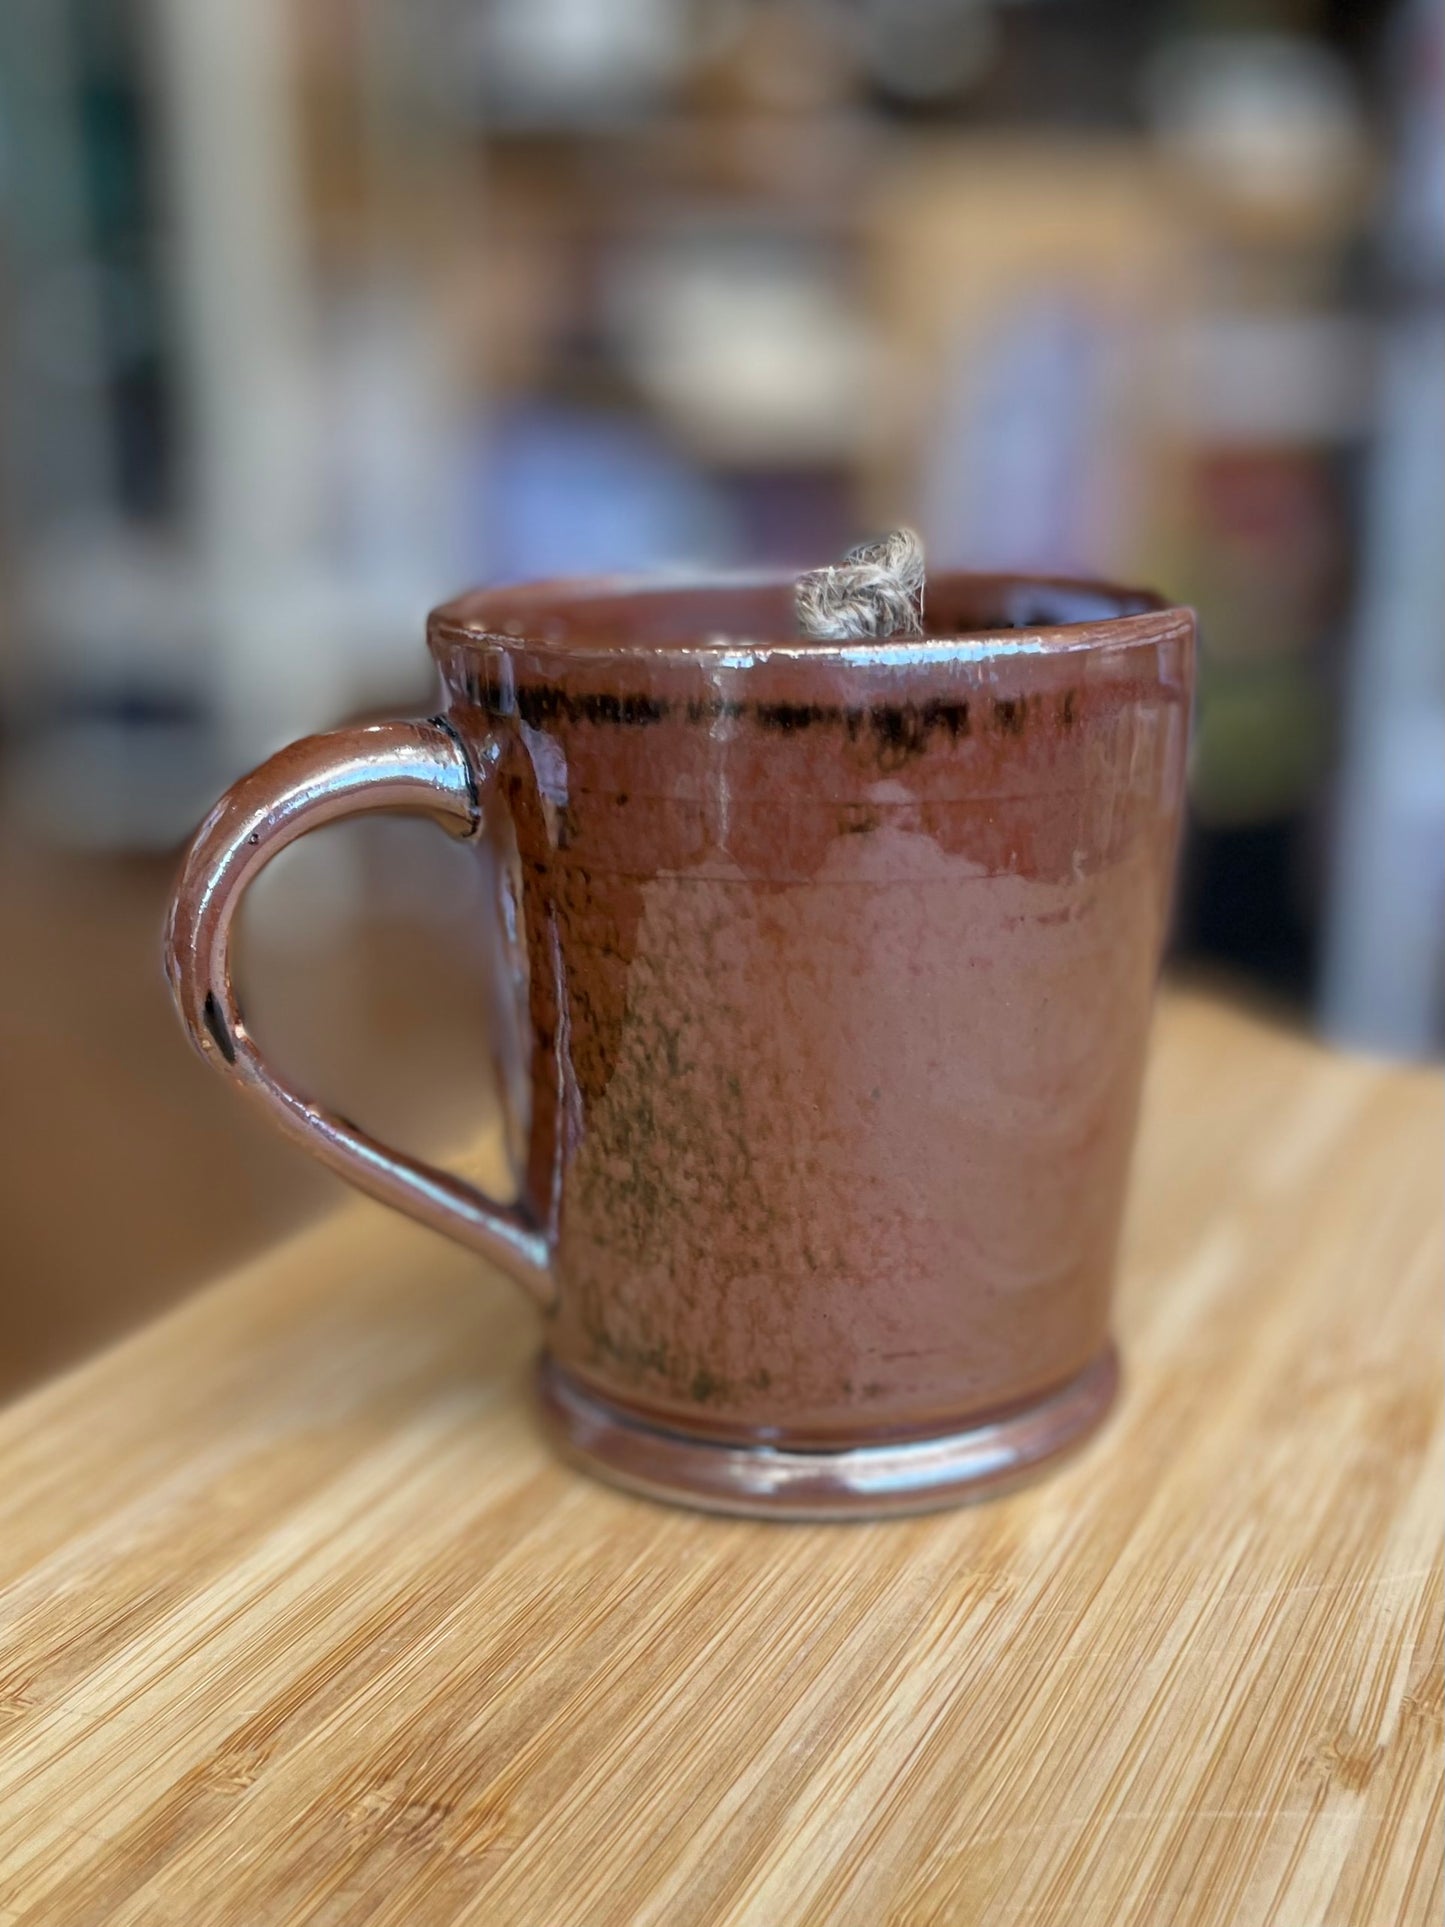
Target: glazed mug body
826, 972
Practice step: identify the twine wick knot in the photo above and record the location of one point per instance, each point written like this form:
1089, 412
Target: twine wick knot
876, 590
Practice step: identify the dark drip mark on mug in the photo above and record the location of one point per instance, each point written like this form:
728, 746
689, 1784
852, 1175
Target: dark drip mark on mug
706, 1385
1009, 716
901, 731
857, 819
904, 730
541, 703
790, 718
216, 1025
1068, 709
950, 716
901, 734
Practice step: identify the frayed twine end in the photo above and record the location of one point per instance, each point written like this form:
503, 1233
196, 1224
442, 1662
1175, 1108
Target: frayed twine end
876, 590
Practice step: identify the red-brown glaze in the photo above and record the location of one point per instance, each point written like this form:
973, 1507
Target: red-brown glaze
835, 978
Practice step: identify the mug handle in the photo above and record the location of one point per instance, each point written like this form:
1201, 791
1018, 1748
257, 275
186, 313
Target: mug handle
383, 766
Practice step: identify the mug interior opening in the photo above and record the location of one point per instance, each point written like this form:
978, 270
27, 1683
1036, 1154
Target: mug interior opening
761, 612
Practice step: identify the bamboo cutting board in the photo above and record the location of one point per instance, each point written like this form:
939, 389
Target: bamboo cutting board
303, 1625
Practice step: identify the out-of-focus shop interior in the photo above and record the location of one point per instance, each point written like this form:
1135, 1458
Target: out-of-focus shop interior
313, 310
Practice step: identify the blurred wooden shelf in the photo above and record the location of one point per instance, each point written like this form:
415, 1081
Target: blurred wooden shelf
302, 1623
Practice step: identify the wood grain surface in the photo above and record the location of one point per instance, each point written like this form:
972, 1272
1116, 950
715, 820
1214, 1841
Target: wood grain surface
302, 1624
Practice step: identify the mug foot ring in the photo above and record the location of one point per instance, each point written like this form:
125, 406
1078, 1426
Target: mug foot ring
863, 1481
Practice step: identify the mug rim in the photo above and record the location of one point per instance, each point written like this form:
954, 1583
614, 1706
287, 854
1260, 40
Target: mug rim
626, 617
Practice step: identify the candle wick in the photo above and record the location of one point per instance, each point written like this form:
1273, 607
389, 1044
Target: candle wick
876, 590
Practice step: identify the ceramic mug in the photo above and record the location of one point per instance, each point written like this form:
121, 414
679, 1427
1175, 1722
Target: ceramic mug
827, 971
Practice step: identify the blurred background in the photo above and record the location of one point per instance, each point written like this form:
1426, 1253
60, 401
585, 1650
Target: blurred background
312, 311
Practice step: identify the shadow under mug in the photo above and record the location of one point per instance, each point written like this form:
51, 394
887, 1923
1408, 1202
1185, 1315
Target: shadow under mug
825, 972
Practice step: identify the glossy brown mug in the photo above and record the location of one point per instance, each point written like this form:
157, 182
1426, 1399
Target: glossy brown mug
826, 970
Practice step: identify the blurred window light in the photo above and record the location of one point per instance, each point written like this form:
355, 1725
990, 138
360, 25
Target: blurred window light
575, 62
746, 343
1262, 120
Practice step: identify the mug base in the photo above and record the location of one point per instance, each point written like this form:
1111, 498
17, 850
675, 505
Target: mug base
850, 1482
